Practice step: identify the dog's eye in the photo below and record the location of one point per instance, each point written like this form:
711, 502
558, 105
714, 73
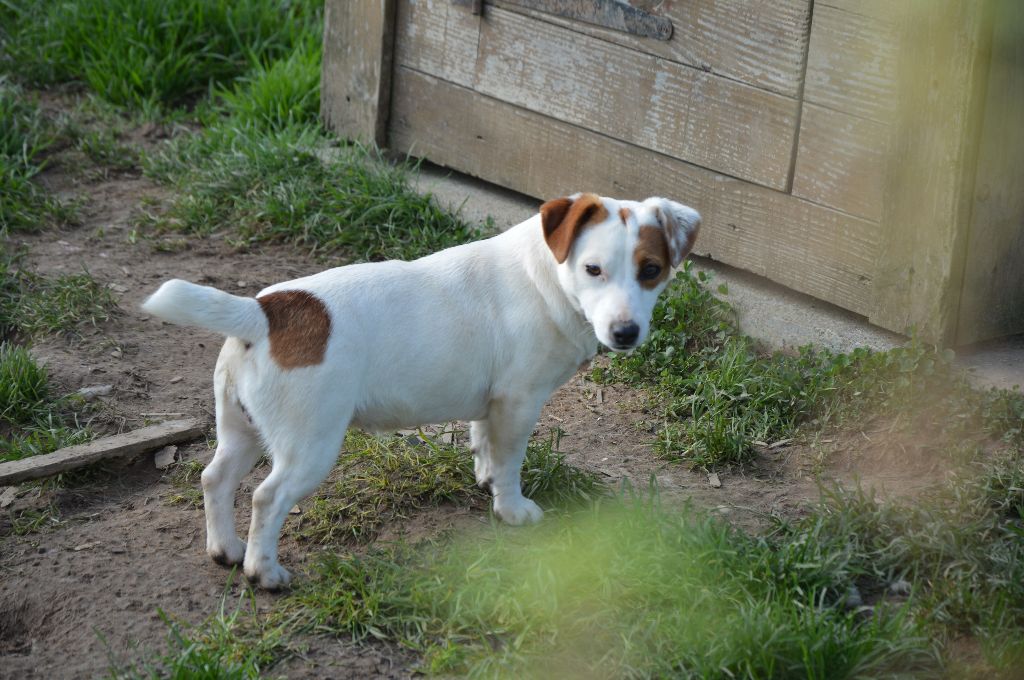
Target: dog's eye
593, 270
649, 272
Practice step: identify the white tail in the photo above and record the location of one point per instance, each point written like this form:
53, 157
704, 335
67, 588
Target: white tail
189, 304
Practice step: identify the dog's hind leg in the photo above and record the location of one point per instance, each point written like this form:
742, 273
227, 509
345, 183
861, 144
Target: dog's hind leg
509, 425
300, 465
238, 449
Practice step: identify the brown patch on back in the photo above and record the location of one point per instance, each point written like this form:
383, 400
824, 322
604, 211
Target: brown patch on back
564, 219
652, 248
624, 215
299, 327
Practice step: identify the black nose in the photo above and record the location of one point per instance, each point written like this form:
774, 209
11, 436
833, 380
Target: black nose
625, 334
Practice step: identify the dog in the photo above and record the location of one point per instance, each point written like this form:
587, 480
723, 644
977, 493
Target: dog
481, 332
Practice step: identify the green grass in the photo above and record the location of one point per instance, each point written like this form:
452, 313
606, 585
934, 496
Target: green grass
25, 137
382, 479
228, 645
719, 395
32, 304
33, 420
149, 54
259, 185
617, 591
185, 478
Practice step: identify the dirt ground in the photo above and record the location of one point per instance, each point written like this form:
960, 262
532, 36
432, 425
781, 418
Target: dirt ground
88, 589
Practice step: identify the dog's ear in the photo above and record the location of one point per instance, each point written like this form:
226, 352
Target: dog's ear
564, 218
681, 225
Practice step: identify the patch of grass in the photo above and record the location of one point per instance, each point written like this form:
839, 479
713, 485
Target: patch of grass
228, 645
25, 136
276, 186
150, 54
32, 304
719, 395
185, 479
379, 480
618, 591
26, 522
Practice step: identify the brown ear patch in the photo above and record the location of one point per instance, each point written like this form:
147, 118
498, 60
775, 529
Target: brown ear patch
564, 219
624, 215
652, 248
300, 327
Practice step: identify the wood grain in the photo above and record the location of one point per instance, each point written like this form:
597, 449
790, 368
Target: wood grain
120, 445
794, 242
758, 43
841, 161
357, 67
438, 37
992, 301
637, 98
929, 188
852, 60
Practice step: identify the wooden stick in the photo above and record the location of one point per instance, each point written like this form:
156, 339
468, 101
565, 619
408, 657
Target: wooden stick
119, 445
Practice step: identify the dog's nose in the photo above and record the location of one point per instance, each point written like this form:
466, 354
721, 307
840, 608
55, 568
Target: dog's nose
625, 334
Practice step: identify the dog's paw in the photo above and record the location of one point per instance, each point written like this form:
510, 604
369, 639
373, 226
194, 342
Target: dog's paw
228, 555
517, 511
271, 577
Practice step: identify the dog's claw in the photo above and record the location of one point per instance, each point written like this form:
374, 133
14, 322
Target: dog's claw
518, 511
228, 556
273, 578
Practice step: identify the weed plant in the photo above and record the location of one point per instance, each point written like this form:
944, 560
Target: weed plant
150, 54
719, 395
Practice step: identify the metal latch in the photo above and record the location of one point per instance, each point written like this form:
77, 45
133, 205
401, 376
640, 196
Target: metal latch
617, 15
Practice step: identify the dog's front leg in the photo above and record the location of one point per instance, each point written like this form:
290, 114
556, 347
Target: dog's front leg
510, 421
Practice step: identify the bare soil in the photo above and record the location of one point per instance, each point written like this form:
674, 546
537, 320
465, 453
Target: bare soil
88, 589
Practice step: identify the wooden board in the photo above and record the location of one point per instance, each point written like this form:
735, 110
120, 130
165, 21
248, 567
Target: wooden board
660, 105
992, 302
120, 445
794, 242
758, 43
852, 59
438, 37
929, 189
357, 67
841, 161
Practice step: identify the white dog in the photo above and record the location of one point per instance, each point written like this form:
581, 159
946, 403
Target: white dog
483, 332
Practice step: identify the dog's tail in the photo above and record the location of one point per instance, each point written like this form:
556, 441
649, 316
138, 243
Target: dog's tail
189, 304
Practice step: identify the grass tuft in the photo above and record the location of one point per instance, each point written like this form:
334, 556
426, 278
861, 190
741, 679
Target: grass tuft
32, 304
618, 591
381, 479
720, 395
149, 54
276, 186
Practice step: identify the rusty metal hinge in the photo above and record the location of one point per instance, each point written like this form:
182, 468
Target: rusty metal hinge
617, 15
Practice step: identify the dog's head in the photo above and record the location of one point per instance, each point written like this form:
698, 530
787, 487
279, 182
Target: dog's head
615, 257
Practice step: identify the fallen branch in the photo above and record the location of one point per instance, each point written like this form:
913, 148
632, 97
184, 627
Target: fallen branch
118, 446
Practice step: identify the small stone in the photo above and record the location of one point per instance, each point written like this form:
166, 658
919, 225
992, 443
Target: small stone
900, 587
93, 392
714, 481
165, 457
85, 546
242, 284
295, 511
8, 496
117, 288
117, 353
176, 379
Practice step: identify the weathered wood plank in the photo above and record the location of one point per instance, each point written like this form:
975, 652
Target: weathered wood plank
992, 302
851, 61
929, 189
841, 161
805, 246
758, 43
120, 445
438, 37
357, 68
660, 105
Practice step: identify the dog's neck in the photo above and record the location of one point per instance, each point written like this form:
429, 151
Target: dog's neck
542, 270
